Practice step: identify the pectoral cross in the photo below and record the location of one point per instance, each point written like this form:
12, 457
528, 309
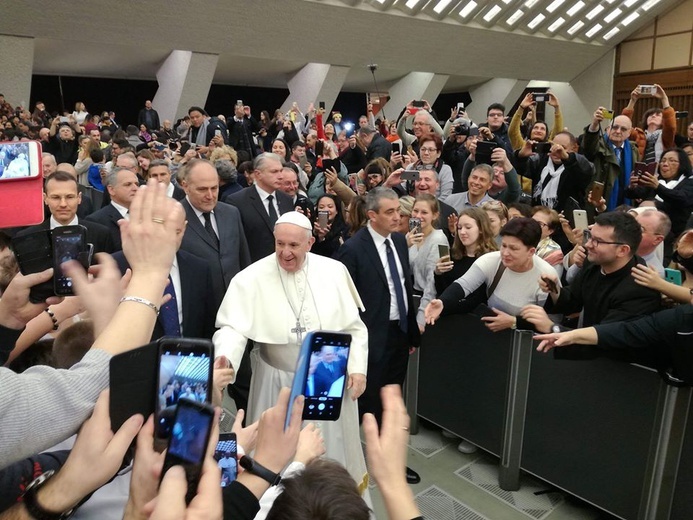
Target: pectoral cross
298, 330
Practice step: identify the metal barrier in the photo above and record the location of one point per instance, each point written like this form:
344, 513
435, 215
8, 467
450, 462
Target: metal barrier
608, 432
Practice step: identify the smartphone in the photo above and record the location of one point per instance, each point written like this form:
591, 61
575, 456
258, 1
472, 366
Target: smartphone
460, 107
418, 104
649, 90
541, 147
319, 147
69, 243
673, 276
217, 132
64, 119
683, 114
21, 184
132, 378
160, 147
184, 147
396, 148
332, 163
580, 218
173, 145
187, 446
321, 105
540, 97
323, 217
607, 114
443, 250
483, 311
551, 283
484, 149
410, 175
415, 225
640, 167
321, 373
226, 455
597, 191
34, 253
239, 102
184, 371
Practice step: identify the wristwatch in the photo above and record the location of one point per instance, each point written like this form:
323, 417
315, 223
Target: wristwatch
556, 328
35, 509
252, 466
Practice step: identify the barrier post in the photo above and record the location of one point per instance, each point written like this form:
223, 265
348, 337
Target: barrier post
515, 408
665, 453
411, 392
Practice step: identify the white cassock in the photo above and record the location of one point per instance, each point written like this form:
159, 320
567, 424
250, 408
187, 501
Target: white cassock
256, 307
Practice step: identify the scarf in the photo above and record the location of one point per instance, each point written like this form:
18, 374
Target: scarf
620, 183
669, 184
547, 189
201, 137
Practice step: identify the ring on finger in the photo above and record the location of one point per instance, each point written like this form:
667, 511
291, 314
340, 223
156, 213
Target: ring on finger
158, 220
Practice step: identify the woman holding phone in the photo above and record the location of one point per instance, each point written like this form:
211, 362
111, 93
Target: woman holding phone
423, 240
329, 228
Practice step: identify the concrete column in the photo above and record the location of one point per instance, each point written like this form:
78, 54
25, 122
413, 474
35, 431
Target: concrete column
184, 79
17, 65
415, 85
496, 90
313, 83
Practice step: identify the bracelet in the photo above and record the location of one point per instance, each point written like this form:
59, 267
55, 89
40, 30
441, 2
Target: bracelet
53, 318
253, 467
143, 301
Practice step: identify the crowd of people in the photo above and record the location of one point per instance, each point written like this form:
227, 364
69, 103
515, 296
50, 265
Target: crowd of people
253, 231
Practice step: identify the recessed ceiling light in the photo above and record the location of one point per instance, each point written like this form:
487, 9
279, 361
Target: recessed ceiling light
576, 7
612, 15
536, 21
594, 12
412, 3
576, 27
530, 3
611, 33
555, 25
515, 17
441, 5
594, 30
628, 19
554, 5
507, 1
491, 14
628, 3
650, 4
468, 9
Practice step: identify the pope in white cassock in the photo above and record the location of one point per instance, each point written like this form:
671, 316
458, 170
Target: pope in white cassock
274, 302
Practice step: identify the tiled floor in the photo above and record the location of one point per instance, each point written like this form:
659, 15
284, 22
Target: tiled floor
455, 486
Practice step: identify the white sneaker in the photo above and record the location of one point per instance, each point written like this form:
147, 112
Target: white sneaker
466, 447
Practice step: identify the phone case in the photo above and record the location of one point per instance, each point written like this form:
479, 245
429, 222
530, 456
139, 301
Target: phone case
21, 199
34, 253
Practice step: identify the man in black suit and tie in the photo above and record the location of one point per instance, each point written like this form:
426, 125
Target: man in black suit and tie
378, 260
241, 127
62, 198
161, 171
214, 231
122, 186
189, 313
261, 204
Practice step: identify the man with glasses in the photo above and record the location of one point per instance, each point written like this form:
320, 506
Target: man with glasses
62, 197
376, 144
604, 289
496, 129
613, 156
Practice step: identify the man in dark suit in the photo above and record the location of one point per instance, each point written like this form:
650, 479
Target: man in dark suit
241, 127
378, 261
150, 117
122, 186
190, 280
86, 205
160, 170
214, 231
261, 204
62, 198
376, 144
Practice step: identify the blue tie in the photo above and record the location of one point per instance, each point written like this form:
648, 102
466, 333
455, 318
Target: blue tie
398, 286
169, 312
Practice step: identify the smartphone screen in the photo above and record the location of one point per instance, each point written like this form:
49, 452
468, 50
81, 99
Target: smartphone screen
187, 445
21, 184
321, 104
321, 372
69, 242
396, 148
415, 225
226, 455
443, 250
184, 372
319, 148
327, 373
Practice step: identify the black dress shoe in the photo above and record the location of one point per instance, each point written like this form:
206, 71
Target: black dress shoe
412, 476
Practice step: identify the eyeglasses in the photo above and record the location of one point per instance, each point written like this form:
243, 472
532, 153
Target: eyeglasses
665, 160
542, 224
428, 150
587, 236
